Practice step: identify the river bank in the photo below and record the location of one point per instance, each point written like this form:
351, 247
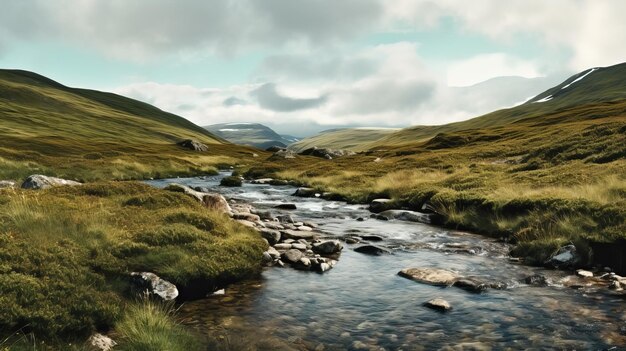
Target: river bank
363, 304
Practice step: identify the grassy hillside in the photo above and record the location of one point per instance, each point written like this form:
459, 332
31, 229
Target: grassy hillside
85, 134
251, 134
604, 85
356, 139
539, 175
66, 253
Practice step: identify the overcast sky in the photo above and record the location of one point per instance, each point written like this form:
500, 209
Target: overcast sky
303, 66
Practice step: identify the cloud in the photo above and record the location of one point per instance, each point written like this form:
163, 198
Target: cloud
270, 99
233, 101
486, 66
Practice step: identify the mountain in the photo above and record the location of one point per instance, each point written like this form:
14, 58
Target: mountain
601, 87
251, 134
355, 139
54, 126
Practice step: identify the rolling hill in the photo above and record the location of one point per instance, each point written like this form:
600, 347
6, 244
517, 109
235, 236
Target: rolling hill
251, 134
600, 87
355, 139
44, 125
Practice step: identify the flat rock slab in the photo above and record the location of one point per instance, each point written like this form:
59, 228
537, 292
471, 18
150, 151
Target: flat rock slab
295, 234
432, 276
410, 216
38, 181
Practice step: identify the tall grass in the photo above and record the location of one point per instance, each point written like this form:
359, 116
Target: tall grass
151, 326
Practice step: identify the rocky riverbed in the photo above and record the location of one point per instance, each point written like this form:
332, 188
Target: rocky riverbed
463, 292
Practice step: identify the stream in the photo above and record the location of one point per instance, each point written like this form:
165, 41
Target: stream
362, 304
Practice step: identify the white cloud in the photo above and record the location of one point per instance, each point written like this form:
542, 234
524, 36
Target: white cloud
486, 66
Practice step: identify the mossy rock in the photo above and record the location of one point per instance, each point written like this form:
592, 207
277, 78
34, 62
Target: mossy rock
231, 181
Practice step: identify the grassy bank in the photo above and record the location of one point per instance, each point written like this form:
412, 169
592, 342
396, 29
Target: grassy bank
67, 252
539, 182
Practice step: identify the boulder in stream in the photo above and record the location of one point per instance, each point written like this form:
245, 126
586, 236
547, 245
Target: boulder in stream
438, 304
432, 276
328, 247
286, 206
292, 255
565, 257
378, 205
272, 236
409, 216
372, 250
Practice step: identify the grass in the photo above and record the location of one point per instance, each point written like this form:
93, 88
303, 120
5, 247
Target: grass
149, 326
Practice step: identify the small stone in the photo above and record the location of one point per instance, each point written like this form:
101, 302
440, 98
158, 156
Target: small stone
438, 304
584, 274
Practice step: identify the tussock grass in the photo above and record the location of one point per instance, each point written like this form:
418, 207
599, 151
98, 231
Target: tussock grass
151, 326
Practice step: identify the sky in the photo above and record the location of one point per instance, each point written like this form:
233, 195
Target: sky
302, 66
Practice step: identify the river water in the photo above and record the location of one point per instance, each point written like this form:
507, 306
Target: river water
363, 304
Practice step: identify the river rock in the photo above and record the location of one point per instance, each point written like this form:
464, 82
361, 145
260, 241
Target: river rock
153, 284
471, 284
216, 202
6, 184
378, 205
438, 304
310, 224
194, 145
565, 257
352, 240
372, 250
273, 252
247, 223
296, 235
261, 181
285, 218
371, 237
292, 255
186, 190
536, 280
267, 258
247, 216
286, 206
298, 246
328, 247
38, 181
409, 216
305, 192
101, 342
432, 276
584, 274
272, 236
283, 246
274, 225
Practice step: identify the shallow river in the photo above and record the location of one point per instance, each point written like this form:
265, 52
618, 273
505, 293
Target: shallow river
363, 304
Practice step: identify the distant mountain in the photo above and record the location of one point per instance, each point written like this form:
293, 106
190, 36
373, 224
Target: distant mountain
252, 134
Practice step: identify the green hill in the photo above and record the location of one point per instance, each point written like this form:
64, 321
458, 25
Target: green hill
356, 139
87, 134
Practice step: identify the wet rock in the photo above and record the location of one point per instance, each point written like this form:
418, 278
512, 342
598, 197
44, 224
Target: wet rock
38, 181
285, 219
186, 190
584, 274
193, 145
371, 237
272, 236
432, 276
282, 246
378, 205
372, 250
286, 206
615, 285
360, 219
264, 215
231, 181
261, 181
438, 304
305, 192
296, 235
471, 284
536, 280
101, 342
310, 224
267, 258
352, 240
328, 247
305, 228
292, 255
153, 284
565, 257
409, 216
6, 184
273, 252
